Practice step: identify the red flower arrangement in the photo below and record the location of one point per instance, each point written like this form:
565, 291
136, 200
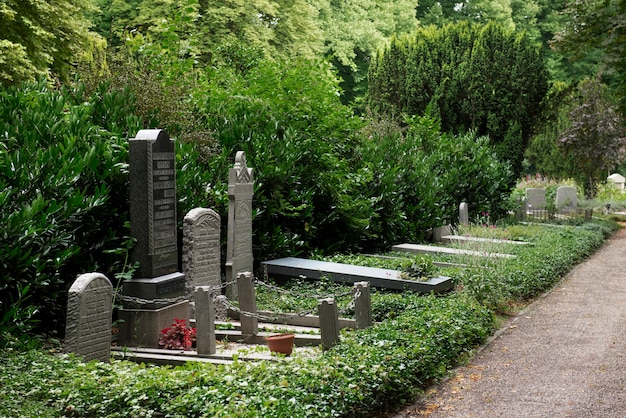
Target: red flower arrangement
177, 337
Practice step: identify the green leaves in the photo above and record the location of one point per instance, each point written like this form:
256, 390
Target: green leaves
59, 204
471, 77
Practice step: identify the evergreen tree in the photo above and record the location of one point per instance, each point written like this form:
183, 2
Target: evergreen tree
481, 77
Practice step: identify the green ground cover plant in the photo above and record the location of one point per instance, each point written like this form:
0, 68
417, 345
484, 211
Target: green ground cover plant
370, 370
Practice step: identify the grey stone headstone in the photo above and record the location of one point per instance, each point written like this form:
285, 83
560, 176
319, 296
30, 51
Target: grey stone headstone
201, 249
239, 257
566, 198
88, 325
463, 214
220, 304
153, 203
535, 198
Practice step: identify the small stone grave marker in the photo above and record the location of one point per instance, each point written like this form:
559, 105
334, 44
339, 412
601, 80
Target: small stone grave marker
201, 250
535, 198
463, 214
618, 180
88, 325
566, 198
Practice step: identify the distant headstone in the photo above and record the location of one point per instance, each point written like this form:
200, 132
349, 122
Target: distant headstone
463, 214
617, 179
566, 198
535, 198
201, 249
220, 304
239, 257
88, 324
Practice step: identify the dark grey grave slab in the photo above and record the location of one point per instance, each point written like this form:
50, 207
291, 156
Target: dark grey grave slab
347, 273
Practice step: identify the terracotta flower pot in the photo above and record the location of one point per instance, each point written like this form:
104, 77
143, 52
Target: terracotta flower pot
280, 343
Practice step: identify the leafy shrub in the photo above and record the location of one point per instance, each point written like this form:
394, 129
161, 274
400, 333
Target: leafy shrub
537, 267
418, 179
63, 193
177, 337
298, 137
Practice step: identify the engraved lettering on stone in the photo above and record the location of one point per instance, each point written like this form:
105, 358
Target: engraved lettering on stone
88, 325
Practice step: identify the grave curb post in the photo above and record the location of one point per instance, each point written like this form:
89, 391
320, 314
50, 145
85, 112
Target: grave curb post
205, 320
329, 322
247, 303
362, 305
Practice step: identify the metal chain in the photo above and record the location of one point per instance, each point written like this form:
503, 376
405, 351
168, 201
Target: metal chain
306, 295
140, 301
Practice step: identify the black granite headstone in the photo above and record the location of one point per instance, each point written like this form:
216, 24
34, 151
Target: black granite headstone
153, 202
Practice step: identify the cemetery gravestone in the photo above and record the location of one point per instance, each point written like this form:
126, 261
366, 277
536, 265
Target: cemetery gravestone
535, 198
239, 257
463, 214
201, 250
149, 298
566, 198
88, 324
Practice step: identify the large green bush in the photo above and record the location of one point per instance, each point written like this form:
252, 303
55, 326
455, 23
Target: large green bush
417, 179
482, 77
299, 138
63, 192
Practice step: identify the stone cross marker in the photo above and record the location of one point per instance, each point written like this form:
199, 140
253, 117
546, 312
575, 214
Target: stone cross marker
88, 325
201, 249
239, 244
566, 198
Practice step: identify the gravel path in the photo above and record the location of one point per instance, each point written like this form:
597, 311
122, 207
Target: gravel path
563, 356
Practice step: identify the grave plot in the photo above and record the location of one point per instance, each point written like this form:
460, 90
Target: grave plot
246, 339
291, 267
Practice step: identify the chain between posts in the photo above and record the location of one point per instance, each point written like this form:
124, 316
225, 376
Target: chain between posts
169, 301
164, 301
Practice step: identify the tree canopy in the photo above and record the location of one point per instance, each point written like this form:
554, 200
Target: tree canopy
40, 36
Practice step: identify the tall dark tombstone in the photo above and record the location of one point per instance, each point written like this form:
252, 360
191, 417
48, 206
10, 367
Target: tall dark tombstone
153, 225
239, 257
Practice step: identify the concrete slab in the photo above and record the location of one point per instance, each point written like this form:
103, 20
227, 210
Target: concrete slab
346, 273
431, 249
448, 239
